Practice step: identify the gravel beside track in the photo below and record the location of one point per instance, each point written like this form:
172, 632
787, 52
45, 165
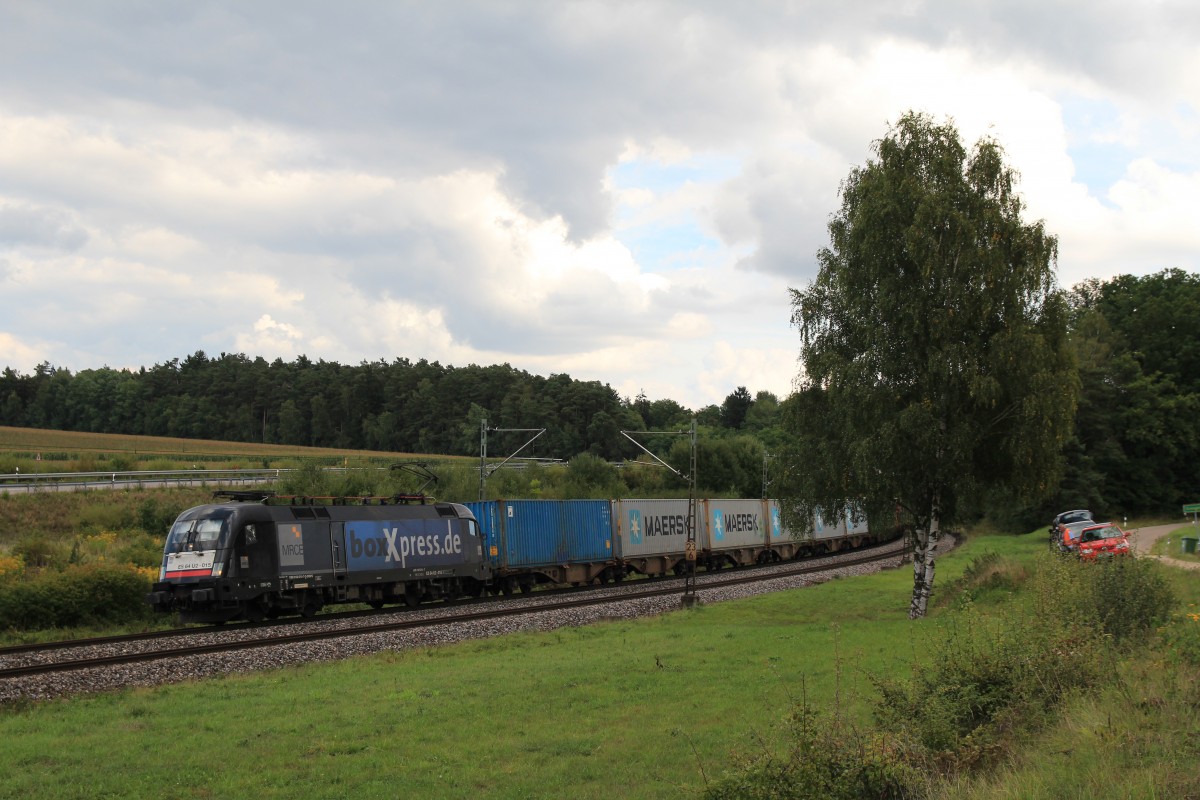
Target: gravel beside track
184, 668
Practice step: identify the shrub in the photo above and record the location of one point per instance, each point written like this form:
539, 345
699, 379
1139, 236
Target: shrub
78, 595
1128, 597
155, 517
11, 565
992, 677
987, 677
827, 758
306, 479
36, 550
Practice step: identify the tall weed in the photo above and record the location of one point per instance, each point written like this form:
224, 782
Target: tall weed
828, 757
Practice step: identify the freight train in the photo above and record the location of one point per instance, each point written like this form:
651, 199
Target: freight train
254, 555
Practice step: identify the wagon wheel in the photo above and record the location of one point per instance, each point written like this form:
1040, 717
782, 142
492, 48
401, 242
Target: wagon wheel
312, 604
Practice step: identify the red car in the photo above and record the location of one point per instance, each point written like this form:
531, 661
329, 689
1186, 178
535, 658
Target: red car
1104, 540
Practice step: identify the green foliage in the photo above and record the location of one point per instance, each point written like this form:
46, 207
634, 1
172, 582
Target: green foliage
591, 477
77, 595
988, 676
1181, 637
399, 406
102, 516
307, 478
828, 757
36, 550
993, 676
155, 516
936, 368
987, 576
1137, 433
735, 408
1128, 597
120, 462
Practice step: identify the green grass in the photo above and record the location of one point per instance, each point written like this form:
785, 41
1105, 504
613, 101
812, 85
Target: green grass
621, 709
645, 708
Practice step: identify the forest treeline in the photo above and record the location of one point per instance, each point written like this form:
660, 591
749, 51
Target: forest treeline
1135, 447
398, 406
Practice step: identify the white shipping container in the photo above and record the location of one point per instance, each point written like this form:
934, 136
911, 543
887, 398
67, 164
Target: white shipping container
731, 524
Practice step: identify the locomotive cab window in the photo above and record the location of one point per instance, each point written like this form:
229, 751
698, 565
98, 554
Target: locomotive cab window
201, 533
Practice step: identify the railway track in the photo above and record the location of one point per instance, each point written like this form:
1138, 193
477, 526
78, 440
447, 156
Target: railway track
71, 656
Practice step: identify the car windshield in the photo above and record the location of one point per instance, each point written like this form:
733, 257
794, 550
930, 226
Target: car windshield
200, 533
1075, 516
1096, 534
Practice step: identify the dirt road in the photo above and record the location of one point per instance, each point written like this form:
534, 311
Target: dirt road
1144, 538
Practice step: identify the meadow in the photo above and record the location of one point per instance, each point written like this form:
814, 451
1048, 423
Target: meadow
671, 706
1043, 678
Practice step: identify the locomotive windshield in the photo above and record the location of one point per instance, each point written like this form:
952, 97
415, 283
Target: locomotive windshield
209, 532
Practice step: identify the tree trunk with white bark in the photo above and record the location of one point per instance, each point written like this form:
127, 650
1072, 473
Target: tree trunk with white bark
925, 545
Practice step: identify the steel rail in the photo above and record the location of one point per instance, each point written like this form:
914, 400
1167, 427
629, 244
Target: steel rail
589, 599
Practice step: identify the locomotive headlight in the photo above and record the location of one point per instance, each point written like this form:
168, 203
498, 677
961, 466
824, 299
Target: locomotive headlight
218, 569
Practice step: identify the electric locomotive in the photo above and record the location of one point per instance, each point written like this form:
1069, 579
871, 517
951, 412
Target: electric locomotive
257, 556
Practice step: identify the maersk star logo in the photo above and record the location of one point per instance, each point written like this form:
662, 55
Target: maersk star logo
635, 526
718, 524
776, 526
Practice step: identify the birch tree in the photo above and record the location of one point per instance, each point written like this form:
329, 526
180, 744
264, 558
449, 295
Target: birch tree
936, 375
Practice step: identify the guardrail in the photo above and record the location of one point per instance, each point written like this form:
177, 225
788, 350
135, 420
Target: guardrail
77, 481
22, 482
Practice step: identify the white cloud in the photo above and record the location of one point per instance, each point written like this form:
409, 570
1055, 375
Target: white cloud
621, 192
24, 354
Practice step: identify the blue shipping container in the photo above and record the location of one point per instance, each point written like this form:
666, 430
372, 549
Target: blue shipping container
535, 533
487, 515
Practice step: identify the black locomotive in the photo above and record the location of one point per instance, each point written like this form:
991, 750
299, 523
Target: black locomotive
257, 556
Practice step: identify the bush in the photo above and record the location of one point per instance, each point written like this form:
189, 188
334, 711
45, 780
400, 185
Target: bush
992, 677
155, 517
828, 758
79, 595
38, 551
1128, 597
308, 479
988, 677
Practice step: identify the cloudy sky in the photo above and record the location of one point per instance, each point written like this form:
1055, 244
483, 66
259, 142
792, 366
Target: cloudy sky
622, 192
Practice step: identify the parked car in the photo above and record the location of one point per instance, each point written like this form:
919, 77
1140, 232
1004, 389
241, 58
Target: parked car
1069, 533
1067, 518
1106, 540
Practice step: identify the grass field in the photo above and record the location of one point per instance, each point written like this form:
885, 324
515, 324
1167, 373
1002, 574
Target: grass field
650, 708
628, 709
67, 451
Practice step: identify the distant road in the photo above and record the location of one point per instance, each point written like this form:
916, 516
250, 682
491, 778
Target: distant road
1144, 539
